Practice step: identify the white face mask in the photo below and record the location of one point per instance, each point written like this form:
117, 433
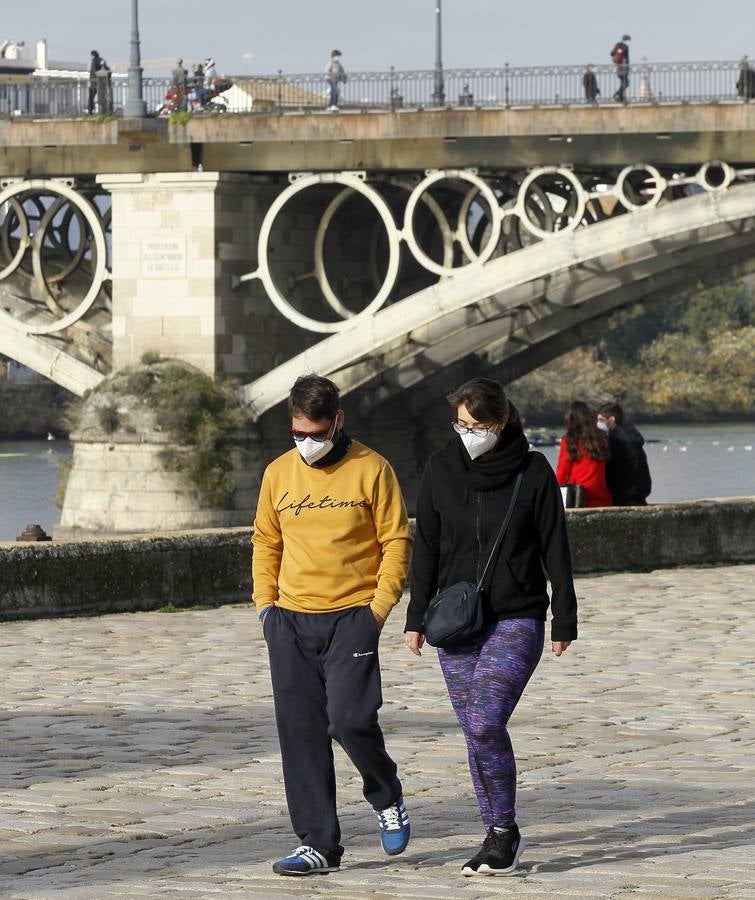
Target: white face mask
312, 450
477, 444
603, 425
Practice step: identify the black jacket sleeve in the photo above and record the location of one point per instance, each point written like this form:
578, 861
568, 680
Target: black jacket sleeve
424, 571
550, 521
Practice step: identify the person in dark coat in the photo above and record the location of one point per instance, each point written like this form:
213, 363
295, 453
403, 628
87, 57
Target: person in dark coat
466, 488
96, 66
590, 85
746, 81
620, 56
627, 471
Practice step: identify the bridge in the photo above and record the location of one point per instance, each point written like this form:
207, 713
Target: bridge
394, 250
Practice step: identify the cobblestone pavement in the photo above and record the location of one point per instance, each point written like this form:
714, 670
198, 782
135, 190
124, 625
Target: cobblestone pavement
139, 757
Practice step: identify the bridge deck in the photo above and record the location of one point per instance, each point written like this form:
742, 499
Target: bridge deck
609, 135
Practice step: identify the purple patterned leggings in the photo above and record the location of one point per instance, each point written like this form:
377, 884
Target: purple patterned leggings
485, 679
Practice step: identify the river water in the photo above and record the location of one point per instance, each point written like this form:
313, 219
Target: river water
687, 462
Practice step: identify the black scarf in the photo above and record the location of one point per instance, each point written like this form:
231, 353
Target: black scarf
498, 466
340, 449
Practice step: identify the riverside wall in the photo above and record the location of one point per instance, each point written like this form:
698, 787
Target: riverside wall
213, 566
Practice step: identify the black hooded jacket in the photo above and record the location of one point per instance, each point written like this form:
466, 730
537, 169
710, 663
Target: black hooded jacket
627, 472
460, 507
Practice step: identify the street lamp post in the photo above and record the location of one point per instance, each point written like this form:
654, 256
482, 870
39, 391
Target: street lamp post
439, 94
135, 105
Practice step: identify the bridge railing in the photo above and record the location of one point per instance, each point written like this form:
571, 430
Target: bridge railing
508, 86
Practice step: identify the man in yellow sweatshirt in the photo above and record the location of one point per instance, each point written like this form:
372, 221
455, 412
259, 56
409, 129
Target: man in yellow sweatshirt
331, 549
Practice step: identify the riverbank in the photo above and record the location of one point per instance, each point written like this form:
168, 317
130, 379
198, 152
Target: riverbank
34, 410
142, 572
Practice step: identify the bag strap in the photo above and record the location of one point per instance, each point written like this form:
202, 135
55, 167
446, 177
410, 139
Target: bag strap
504, 526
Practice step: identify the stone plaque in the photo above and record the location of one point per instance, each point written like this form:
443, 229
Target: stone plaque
164, 258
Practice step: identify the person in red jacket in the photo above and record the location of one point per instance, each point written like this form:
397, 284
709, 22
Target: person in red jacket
583, 454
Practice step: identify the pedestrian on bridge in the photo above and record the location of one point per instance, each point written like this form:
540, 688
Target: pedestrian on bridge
331, 553
99, 74
590, 85
335, 75
746, 81
179, 79
620, 57
483, 479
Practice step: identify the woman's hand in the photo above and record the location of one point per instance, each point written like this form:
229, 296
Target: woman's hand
559, 647
414, 641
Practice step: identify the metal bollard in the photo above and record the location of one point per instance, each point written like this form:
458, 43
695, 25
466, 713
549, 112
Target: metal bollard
33, 533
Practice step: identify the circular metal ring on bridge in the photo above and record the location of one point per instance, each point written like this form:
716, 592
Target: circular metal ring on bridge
23, 240
551, 173
335, 204
354, 183
63, 189
625, 184
715, 176
495, 220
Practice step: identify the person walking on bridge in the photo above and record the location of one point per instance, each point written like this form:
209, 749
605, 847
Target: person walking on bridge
482, 479
331, 552
335, 75
590, 85
620, 57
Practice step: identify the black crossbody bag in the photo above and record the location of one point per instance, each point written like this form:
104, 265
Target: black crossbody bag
455, 614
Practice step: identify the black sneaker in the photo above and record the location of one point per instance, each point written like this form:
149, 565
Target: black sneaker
499, 854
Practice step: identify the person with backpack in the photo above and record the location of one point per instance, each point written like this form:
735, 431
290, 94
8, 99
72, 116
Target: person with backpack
620, 57
335, 75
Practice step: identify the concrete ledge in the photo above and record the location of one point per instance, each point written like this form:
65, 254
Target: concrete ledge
124, 574
145, 572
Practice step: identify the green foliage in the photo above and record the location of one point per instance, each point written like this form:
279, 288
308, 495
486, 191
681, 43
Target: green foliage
108, 417
182, 117
198, 414
103, 120
150, 358
726, 307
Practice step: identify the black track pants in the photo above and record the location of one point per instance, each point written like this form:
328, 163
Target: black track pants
326, 685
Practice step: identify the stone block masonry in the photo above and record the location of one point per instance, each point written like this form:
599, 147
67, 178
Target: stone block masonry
214, 566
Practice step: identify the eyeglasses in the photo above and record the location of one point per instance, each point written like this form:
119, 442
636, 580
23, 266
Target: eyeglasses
319, 436
478, 429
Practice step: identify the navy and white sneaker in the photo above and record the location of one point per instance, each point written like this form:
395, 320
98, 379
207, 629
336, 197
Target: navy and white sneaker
306, 861
394, 827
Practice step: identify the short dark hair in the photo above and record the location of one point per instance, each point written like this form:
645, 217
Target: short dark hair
314, 397
612, 409
484, 398
93, 53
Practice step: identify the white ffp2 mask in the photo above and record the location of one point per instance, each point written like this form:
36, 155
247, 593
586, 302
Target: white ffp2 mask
477, 444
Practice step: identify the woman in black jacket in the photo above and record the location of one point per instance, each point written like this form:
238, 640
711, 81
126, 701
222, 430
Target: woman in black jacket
465, 492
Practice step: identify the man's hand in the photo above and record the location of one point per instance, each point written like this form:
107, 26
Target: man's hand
379, 621
559, 647
414, 641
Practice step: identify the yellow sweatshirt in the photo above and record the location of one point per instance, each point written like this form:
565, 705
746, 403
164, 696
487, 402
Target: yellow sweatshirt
330, 538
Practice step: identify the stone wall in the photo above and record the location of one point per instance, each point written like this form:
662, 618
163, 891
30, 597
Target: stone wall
209, 567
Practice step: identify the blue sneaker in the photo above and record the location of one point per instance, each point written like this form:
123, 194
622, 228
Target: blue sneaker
306, 861
394, 827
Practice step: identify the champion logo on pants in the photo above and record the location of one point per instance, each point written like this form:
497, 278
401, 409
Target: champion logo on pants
368, 653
